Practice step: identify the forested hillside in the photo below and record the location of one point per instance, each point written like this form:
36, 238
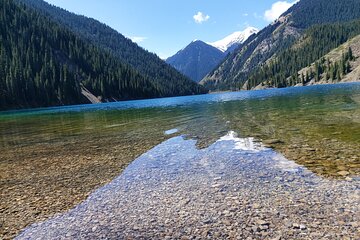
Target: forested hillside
307, 13
148, 64
44, 64
282, 71
277, 37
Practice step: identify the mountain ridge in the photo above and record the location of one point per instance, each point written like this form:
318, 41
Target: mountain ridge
128, 52
198, 58
276, 37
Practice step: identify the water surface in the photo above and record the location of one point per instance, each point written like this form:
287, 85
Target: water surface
321, 123
52, 159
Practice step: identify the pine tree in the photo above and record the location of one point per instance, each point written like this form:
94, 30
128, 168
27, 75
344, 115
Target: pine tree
338, 75
317, 71
327, 75
350, 53
302, 79
348, 67
332, 72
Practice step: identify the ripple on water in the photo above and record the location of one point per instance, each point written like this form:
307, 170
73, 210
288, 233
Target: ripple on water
178, 190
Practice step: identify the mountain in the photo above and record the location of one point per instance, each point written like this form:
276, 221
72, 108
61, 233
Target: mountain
43, 63
234, 40
258, 50
325, 54
342, 64
196, 60
148, 64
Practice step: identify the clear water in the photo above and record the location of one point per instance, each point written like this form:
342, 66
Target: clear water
52, 159
176, 190
317, 126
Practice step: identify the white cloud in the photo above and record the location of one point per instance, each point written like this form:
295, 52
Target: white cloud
277, 9
138, 39
201, 17
245, 14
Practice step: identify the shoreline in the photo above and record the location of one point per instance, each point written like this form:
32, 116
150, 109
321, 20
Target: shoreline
90, 105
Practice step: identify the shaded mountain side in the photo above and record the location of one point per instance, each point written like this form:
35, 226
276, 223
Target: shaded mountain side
319, 40
44, 64
277, 37
196, 60
148, 64
307, 13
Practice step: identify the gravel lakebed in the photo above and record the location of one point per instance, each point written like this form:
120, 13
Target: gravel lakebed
234, 189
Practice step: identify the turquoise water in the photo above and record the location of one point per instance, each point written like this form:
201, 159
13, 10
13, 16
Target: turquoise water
322, 91
305, 117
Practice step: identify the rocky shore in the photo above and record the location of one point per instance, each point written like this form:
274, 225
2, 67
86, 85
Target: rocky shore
39, 180
226, 191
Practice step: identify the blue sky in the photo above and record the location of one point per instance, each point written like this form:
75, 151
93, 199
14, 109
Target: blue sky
166, 26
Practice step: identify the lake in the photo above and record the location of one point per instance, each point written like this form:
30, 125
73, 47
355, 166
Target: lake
219, 157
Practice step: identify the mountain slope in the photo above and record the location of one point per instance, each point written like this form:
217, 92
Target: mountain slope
146, 63
44, 64
317, 42
196, 60
277, 37
234, 40
335, 57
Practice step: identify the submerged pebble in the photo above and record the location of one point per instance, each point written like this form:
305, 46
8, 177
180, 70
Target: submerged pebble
178, 191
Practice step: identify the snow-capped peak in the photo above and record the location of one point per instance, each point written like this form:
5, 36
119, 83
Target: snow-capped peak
234, 38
